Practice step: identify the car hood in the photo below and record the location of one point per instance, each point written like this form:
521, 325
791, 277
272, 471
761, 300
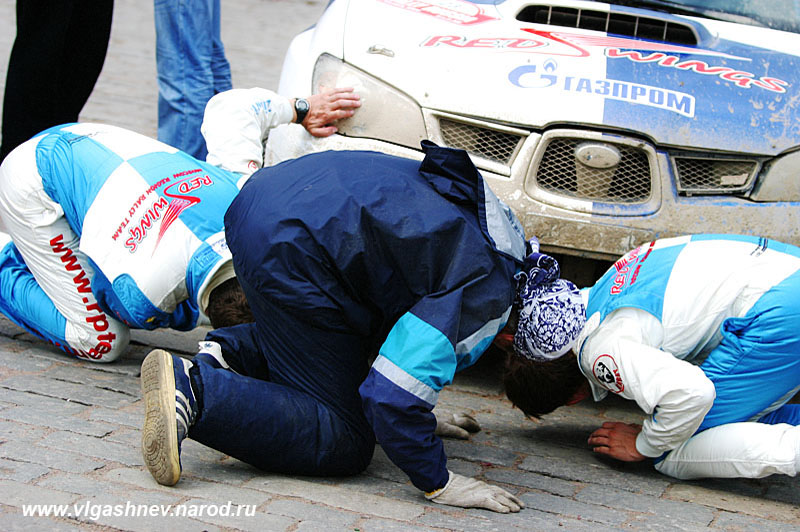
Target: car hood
736, 90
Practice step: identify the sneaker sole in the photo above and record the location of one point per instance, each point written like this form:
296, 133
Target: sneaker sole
160, 430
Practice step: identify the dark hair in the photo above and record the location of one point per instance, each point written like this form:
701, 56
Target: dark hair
538, 388
227, 305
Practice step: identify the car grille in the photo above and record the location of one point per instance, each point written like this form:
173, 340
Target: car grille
610, 22
559, 172
699, 175
491, 144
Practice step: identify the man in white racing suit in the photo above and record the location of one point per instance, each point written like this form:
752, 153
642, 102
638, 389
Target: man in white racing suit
106, 229
703, 332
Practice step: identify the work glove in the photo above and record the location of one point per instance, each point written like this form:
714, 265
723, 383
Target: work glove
471, 493
455, 425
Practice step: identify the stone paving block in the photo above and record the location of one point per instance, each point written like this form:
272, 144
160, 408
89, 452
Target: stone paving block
85, 394
382, 467
308, 514
233, 516
46, 417
372, 524
784, 489
19, 432
13, 520
555, 486
21, 471
477, 384
756, 506
625, 500
485, 453
124, 369
466, 467
19, 494
740, 523
562, 506
89, 487
121, 513
442, 517
130, 436
506, 431
98, 376
595, 474
224, 469
364, 483
34, 399
8, 328
73, 462
332, 496
559, 431
132, 416
90, 446
486, 409
529, 519
31, 346
656, 523
190, 487
200, 461
486, 521
25, 361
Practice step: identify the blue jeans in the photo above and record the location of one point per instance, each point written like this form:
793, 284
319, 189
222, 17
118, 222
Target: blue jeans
291, 403
191, 67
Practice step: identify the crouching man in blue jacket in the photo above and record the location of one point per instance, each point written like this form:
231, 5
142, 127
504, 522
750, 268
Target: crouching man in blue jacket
343, 255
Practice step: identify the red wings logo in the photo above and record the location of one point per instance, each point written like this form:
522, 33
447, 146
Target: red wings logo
167, 210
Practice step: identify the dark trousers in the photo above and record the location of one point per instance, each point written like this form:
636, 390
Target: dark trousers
291, 405
56, 59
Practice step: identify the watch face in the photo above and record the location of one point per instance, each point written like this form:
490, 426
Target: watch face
301, 107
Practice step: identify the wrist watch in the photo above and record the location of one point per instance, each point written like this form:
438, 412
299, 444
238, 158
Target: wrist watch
301, 108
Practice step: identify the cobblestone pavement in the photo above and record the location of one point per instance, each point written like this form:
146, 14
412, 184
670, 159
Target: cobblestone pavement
69, 430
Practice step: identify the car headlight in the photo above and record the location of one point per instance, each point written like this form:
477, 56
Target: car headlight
779, 180
385, 113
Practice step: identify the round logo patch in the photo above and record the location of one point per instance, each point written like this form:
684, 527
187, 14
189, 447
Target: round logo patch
606, 371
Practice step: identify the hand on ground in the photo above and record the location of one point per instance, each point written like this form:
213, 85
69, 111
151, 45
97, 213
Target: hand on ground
617, 440
466, 492
457, 426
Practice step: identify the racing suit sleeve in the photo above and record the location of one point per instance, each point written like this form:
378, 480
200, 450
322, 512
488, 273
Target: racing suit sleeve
415, 362
619, 357
236, 124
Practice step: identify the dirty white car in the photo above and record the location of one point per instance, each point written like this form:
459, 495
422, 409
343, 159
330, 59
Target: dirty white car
602, 124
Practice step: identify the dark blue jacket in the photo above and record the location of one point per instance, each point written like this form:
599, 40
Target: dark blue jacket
419, 260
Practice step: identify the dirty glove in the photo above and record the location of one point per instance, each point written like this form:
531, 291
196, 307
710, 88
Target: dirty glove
455, 425
471, 493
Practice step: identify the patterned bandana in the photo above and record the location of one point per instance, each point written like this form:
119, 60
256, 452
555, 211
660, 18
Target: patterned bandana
551, 311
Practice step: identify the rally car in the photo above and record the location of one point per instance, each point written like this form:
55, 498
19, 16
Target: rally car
602, 124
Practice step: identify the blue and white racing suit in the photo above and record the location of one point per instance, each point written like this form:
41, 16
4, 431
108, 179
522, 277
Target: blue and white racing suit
344, 256
110, 230
703, 332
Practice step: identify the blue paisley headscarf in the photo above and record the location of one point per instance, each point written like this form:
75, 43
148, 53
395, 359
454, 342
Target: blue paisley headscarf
551, 310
